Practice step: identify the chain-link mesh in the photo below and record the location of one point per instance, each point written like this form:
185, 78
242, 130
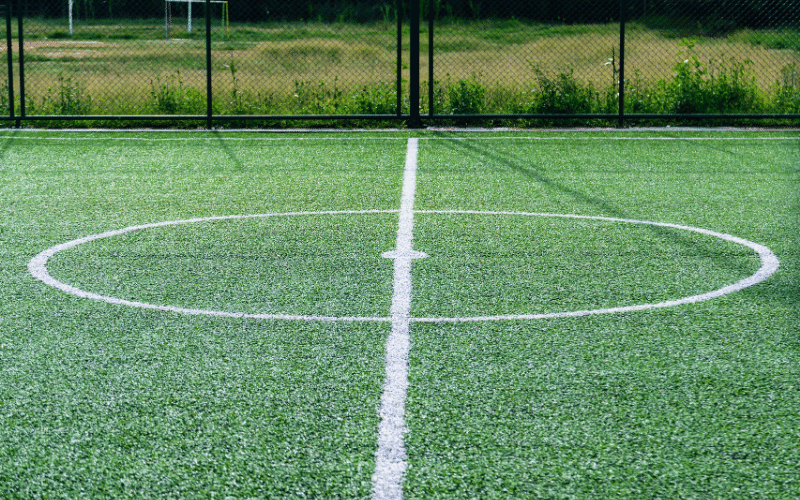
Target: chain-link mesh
721, 56
279, 58
308, 58
524, 57
149, 57
6, 85
81, 58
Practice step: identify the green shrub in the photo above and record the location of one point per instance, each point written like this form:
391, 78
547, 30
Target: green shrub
563, 94
785, 96
172, 97
466, 97
687, 92
68, 99
318, 99
4, 102
719, 87
379, 98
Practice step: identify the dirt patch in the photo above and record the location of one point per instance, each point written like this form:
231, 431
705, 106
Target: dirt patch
37, 44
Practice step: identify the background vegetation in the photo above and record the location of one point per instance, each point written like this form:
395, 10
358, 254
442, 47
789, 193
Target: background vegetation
485, 66
725, 14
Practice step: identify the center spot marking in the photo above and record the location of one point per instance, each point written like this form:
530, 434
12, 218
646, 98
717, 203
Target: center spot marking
394, 254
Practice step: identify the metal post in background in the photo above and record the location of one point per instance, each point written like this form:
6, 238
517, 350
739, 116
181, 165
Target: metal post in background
10, 61
399, 62
21, 33
413, 80
430, 58
622, 7
209, 93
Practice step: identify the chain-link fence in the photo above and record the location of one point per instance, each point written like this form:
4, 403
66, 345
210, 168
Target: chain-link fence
270, 61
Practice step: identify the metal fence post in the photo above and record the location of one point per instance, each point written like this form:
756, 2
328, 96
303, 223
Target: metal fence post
399, 62
622, 7
21, 34
10, 61
430, 57
413, 80
209, 93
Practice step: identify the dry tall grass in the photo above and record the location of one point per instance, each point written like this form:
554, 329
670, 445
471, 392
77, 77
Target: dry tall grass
351, 56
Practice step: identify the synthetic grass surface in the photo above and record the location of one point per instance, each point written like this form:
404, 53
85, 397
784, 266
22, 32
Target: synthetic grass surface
104, 401
107, 401
691, 402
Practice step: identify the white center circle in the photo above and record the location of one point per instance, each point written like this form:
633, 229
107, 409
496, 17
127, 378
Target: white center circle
769, 265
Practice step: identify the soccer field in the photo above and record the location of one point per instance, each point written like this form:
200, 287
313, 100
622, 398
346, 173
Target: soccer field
415, 314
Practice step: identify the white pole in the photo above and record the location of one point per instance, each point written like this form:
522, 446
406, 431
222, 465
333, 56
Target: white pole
70, 17
189, 28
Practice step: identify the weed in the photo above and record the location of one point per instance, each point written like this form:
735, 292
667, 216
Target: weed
719, 87
439, 103
68, 99
466, 97
688, 89
319, 99
172, 98
786, 91
563, 94
643, 98
237, 100
4, 101
733, 88
379, 98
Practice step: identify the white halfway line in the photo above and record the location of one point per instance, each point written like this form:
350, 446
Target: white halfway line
390, 459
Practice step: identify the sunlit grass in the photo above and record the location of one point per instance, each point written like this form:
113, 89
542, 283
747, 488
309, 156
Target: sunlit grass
102, 400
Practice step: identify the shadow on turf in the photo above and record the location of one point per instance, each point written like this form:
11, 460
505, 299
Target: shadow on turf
5, 144
231, 155
603, 207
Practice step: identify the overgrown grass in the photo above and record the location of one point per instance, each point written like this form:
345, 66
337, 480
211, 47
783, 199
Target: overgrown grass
479, 67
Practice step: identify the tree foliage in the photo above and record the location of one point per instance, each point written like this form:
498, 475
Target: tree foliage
727, 14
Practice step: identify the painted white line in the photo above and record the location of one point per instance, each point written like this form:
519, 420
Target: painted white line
38, 269
390, 458
611, 138
769, 265
210, 139
577, 137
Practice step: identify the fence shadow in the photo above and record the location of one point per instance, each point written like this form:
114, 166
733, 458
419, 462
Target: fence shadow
598, 206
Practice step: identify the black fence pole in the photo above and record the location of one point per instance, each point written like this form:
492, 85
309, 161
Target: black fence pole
399, 70
430, 57
622, 8
21, 33
10, 61
413, 80
209, 93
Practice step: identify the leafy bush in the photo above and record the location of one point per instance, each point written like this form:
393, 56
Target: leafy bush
4, 102
378, 98
721, 87
318, 99
785, 96
466, 97
172, 98
563, 94
68, 99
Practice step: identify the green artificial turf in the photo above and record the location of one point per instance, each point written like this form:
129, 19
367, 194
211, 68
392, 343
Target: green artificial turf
100, 400
698, 401
104, 401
